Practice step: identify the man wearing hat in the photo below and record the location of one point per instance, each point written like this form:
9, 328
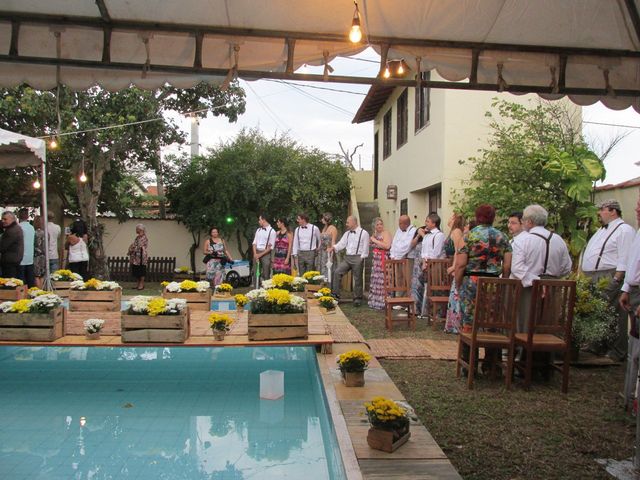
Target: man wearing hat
605, 256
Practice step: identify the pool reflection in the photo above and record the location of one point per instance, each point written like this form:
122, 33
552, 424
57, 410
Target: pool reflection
161, 413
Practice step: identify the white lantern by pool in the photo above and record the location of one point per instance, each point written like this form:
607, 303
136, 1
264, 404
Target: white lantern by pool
271, 384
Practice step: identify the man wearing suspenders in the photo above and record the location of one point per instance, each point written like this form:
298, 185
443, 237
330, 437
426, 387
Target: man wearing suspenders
356, 243
263, 243
538, 254
306, 241
605, 256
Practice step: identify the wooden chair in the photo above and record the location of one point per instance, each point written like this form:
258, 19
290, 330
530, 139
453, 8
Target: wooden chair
494, 324
438, 287
397, 292
549, 325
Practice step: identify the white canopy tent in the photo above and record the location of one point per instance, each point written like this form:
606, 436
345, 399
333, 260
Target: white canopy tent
587, 49
21, 151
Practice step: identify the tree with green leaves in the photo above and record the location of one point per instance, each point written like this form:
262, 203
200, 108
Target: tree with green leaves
252, 174
112, 158
537, 155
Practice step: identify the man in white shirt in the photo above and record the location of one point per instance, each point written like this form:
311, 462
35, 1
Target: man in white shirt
630, 301
605, 256
538, 254
263, 243
355, 242
306, 242
401, 243
27, 274
514, 224
53, 231
432, 247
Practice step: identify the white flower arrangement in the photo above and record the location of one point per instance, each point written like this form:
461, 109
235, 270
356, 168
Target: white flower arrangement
93, 325
297, 302
186, 270
267, 284
10, 283
5, 307
176, 287
253, 295
299, 281
45, 303
173, 287
203, 286
94, 284
318, 279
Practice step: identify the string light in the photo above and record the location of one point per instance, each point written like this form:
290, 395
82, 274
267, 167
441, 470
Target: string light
387, 72
395, 68
355, 34
36, 184
83, 177
53, 143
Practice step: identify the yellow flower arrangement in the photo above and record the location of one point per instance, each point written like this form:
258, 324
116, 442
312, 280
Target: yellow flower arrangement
36, 292
385, 413
164, 284
220, 322
282, 280
353, 361
157, 306
324, 291
92, 283
241, 300
310, 274
21, 306
224, 288
328, 302
182, 269
279, 296
188, 285
64, 273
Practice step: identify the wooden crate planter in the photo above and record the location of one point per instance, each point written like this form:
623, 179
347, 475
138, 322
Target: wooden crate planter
267, 326
95, 300
222, 295
310, 289
200, 301
353, 379
158, 329
387, 440
13, 294
61, 288
327, 311
32, 327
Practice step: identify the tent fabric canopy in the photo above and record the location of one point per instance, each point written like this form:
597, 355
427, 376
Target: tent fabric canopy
587, 49
20, 151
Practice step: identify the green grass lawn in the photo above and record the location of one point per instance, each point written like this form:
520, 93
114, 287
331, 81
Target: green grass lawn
491, 433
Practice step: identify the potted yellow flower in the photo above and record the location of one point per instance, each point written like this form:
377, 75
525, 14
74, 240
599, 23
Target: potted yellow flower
389, 424
323, 292
315, 281
352, 365
12, 289
241, 300
220, 324
223, 290
328, 305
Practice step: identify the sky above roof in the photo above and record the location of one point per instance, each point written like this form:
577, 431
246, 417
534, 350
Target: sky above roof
319, 115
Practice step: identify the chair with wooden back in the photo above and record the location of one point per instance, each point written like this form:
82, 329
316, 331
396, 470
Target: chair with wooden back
549, 325
438, 287
397, 292
494, 324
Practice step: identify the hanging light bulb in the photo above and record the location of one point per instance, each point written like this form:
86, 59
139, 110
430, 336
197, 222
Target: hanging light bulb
387, 72
355, 34
400, 70
53, 143
83, 177
36, 184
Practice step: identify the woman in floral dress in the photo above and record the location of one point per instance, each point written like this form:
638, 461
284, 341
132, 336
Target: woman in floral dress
282, 248
451, 246
216, 256
486, 253
138, 256
381, 243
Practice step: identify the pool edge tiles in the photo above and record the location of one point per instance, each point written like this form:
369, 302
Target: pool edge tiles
52, 411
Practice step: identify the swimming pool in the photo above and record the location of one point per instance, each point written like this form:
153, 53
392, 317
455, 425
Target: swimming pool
162, 413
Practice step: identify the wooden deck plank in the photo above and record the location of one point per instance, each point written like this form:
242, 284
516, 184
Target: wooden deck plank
379, 469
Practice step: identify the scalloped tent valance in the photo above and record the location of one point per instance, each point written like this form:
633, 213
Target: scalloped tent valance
587, 49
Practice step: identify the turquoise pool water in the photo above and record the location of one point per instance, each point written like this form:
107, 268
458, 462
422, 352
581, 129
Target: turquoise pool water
162, 413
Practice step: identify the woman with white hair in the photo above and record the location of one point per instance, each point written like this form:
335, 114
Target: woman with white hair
138, 255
